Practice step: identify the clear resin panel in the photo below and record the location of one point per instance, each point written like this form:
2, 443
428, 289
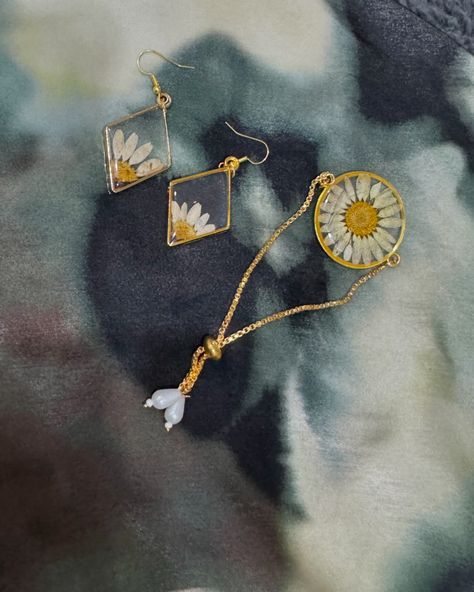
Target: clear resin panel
199, 205
360, 219
136, 148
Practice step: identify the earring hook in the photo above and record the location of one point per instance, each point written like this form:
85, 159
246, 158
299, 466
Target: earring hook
256, 162
162, 56
162, 98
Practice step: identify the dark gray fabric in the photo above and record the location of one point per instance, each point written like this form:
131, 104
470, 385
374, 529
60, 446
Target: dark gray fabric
453, 17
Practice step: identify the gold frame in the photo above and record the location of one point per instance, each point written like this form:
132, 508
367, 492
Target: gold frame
225, 169
319, 234
108, 147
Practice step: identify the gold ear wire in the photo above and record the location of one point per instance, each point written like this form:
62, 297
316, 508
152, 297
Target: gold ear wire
162, 56
161, 97
247, 158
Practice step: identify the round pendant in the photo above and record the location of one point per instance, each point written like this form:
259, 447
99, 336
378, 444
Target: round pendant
360, 219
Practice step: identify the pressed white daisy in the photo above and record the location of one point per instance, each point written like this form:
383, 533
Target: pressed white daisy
129, 160
189, 224
360, 219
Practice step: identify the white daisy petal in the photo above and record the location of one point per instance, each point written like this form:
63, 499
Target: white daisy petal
337, 198
329, 204
331, 218
389, 211
356, 254
201, 222
129, 146
365, 250
324, 218
326, 228
117, 144
194, 214
341, 209
342, 243
336, 232
334, 224
363, 187
151, 165
384, 199
141, 153
347, 252
339, 232
374, 247
390, 222
375, 190
207, 228
382, 241
184, 211
175, 211
350, 193
337, 190
386, 235
328, 240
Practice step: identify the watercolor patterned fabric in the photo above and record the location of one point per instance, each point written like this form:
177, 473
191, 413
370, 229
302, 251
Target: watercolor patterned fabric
330, 452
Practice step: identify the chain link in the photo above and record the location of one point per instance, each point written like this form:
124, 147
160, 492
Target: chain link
324, 179
197, 364
305, 307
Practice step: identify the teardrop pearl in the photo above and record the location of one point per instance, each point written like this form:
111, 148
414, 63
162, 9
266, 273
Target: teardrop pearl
163, 398
174, 413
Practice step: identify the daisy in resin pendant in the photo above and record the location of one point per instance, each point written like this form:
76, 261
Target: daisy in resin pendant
136, 148
360, 219
199, 206
129, 162
189, 225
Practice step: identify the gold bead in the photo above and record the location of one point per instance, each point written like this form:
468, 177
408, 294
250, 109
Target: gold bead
212, 348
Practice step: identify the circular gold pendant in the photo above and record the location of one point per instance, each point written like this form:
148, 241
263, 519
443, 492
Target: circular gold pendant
360, 219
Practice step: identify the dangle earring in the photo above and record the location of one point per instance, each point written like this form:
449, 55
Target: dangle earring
137, 146
199, 205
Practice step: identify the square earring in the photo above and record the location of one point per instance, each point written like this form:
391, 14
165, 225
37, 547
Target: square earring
137, 146
199, 205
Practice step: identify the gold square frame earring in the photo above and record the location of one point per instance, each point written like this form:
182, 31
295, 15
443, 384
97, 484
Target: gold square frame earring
137, 146
199, 205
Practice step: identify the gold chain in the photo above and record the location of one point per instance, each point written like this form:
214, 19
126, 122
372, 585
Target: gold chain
212, 347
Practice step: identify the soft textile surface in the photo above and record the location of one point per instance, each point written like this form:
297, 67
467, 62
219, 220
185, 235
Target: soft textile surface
453, 17
330, 452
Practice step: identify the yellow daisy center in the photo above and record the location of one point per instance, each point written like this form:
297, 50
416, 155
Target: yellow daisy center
183, 230
361, 218
124, 172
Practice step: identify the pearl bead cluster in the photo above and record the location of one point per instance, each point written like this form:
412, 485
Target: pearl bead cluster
172, 401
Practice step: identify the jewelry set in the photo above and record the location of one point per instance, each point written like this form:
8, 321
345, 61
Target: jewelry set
359, 220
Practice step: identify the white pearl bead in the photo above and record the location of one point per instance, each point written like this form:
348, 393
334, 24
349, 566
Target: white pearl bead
163, 398
174, 413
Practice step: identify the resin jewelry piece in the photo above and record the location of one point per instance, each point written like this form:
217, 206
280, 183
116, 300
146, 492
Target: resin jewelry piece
353, 207
137, 146
360, 220
199, 205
